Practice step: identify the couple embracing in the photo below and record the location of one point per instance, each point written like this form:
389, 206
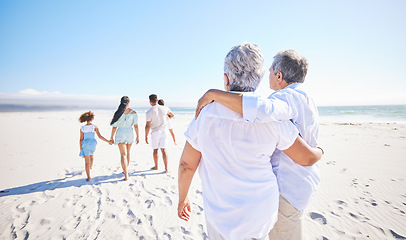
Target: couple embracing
257, 157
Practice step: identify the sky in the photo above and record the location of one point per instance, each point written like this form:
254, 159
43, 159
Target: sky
94, 52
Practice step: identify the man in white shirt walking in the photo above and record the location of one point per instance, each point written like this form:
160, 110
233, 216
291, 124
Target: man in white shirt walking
297, 184
240, 191
156, 123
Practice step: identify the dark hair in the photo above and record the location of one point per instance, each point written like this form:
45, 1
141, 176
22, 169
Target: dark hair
153, 98
161, 102
121, 108
87, 116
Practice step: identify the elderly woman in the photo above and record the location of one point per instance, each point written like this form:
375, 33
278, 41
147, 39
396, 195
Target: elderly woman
240, 191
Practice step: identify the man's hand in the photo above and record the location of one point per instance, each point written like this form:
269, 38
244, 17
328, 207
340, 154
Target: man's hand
203, 101
184, 210
146, 140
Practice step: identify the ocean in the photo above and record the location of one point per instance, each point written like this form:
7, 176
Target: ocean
378, 113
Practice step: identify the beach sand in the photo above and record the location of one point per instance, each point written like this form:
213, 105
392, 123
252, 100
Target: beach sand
44, 193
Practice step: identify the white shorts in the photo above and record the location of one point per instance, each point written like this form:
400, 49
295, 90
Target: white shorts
169, 123
158, 139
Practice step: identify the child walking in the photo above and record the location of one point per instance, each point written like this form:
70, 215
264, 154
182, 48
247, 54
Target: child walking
88, 141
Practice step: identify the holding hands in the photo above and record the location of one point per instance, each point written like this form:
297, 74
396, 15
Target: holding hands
111, 141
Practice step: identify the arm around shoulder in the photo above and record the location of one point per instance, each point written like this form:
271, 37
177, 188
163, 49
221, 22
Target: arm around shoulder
303, 154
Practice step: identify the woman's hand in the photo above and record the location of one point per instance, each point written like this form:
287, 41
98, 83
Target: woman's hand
184, 209
137, 140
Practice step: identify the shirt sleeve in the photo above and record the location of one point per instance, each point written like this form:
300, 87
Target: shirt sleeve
279, 106
191, 133
148, 117
249, 107
287, 133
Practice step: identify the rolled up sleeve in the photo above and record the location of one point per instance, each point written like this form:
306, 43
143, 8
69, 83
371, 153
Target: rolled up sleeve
250, 107
191, 134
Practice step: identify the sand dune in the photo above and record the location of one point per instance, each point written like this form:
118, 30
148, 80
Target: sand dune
44, 194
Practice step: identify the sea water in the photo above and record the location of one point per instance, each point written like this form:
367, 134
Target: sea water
383, 113
379, 113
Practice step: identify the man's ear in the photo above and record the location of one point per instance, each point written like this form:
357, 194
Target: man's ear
226, 82
279, 77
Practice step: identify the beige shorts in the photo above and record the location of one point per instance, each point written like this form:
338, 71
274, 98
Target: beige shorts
289, 224
214, 235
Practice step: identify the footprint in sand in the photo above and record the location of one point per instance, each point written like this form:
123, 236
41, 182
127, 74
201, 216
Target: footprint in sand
163, 190
45, 221
168, 201
204, 234
185, 231
168, 235
150, 203
397, 236
318, 217
342, 203
200, 209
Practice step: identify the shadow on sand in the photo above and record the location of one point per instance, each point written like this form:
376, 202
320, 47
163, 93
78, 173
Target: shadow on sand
67, 182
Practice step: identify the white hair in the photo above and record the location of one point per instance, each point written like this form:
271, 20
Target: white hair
244, 67
291, 64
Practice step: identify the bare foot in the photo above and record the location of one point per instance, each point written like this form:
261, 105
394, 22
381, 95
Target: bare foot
154, 168
167, 171
88, 179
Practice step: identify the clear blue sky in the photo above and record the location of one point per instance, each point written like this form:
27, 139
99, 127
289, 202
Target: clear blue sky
356, 49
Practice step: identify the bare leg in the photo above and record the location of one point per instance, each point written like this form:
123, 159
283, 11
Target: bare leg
155, 155
128, 153
165, 158
91, 162
173, 136
123, 158
87, 167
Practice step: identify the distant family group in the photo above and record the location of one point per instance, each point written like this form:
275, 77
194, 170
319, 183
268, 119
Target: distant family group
257, 157
122, 133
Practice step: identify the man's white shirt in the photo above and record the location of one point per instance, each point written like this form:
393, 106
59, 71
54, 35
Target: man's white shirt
239, 187
157, 115
297, 184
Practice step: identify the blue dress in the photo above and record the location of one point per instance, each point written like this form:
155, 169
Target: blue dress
125, 132
89, 141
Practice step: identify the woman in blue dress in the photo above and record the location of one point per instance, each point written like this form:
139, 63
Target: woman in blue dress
88, 141
123, 121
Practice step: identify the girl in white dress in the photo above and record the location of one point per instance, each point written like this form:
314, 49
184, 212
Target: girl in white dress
88, 141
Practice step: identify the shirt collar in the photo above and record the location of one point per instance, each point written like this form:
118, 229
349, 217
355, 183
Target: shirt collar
293, 85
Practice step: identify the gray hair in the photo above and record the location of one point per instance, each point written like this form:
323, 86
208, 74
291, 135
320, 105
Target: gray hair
244, 67
291, 64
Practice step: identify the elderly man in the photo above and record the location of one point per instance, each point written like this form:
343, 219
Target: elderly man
240, 191
297, 184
